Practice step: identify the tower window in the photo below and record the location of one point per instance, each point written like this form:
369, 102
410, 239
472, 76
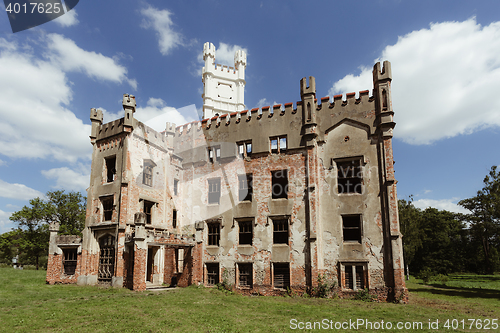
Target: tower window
110, 168
350, 176
107, 208
147, 172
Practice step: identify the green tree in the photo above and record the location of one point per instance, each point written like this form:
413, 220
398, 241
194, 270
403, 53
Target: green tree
485, 221
66, 208
410, 219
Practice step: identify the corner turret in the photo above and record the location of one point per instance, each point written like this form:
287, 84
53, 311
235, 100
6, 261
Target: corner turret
129, 105
382, 78
96, 120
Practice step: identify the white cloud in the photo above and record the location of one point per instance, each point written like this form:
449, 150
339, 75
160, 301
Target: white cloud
444, 204
264, 102
35, 121
156, 113
445, 80
5, 223
18, 191
67, 19
161, 22
225, 53
69, 57
68, 179
35, 94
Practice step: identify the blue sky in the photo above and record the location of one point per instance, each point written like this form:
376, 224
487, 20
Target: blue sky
445, 59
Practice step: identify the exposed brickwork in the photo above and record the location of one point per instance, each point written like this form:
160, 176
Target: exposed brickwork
157, 173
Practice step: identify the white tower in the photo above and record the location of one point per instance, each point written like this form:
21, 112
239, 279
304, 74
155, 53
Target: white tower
223, 86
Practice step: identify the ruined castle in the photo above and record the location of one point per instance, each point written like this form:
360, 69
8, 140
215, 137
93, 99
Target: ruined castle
266, 199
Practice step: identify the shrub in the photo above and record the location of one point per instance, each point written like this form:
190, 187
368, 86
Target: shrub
365, 296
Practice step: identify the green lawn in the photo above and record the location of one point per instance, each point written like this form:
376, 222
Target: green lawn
27, 304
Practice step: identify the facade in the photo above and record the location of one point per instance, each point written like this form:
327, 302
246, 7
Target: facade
265, 199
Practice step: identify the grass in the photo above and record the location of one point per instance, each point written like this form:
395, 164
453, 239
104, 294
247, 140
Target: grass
27, 304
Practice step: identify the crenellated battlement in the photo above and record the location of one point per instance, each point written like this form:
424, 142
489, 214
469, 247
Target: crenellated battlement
223, 85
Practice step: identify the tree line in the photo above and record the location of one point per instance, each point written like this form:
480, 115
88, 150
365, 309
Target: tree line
30, 240
442, 242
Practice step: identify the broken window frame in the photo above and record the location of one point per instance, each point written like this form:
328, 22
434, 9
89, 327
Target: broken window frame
149, 207
279, 179
213, 233
107, 205
278, 144
245, 275
354, 276
70, 259
352, 228
281, 234
174, 218
245, 148
245, 232
281, 275
214, 191
349, 175
212, 273
110, 167
245, 189
214, 154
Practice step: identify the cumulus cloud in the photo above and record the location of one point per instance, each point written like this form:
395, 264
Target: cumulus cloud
161, 22
444, 204
18, 191
67, 19
69, 57
224, 54
5, 223
156, 113
69, 179
445, 79
36, 94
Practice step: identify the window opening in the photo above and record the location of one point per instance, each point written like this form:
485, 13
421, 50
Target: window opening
246, 232
148, 173
351, 228
350, 176
280, 233
212, 274
213, 234
69, 261
281, 276
245, 149
245, 275
176, 186
174, 219
148, 210
278, 144
214, 191
107, 208
279, 181
110, 168
246, 187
